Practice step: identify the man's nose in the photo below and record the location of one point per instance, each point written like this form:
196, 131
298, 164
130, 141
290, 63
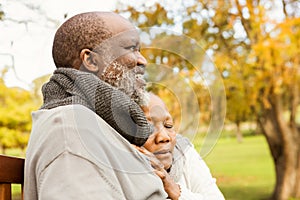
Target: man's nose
141, 60
162, 136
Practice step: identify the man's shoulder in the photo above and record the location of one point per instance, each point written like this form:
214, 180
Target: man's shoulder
58, 109
58, 124
60, 129
45, 115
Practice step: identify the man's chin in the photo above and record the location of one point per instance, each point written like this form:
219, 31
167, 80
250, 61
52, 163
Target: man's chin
141, 97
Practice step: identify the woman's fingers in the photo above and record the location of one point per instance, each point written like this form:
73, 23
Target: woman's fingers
155, 163
160, 174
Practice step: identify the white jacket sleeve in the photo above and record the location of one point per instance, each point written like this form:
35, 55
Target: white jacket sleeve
72, 177
197, 182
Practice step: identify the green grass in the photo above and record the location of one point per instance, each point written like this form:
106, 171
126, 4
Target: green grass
16, 191
243, 170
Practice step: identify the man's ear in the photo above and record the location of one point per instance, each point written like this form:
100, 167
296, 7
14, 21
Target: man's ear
89, 60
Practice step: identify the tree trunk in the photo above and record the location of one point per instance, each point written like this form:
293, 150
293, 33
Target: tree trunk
3, 149
239, 135
284, 143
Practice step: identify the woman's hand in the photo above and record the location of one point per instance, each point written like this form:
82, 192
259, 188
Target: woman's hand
172, 189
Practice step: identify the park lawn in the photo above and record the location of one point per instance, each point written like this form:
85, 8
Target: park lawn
243, 170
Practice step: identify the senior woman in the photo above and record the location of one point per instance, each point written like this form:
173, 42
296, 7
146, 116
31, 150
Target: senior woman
184, 174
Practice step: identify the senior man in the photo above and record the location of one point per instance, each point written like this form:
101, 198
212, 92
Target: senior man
80, 144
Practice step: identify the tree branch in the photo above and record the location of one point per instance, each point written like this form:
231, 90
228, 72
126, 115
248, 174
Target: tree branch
245, 23
284, 9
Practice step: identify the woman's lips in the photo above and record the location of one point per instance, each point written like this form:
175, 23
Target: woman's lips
162, 152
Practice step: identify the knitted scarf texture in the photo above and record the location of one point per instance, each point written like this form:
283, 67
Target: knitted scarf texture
70, 86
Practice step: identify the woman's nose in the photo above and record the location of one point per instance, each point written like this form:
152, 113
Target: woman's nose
162, 136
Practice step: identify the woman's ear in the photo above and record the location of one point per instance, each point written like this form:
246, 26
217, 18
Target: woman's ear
89, 60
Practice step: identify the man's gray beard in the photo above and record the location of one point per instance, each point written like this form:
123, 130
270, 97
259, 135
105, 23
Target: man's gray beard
125, 80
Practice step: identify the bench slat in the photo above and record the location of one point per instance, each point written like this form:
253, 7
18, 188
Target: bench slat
11, 169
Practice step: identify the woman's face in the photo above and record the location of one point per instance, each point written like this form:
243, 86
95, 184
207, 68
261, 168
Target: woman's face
162, 141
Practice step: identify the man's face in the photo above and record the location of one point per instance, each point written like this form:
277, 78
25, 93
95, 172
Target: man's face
124, 66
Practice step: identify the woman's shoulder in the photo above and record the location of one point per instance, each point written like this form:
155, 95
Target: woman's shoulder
182, 141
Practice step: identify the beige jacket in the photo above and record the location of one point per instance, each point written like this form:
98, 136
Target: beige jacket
74, 154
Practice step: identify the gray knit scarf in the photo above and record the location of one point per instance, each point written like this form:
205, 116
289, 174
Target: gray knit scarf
70, 86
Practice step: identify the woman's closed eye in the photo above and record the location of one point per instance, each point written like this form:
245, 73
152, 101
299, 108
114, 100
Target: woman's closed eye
168, 125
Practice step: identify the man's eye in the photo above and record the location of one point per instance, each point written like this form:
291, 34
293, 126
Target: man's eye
131, 48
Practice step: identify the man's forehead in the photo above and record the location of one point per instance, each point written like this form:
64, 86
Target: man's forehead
124, 38
116, 23
129, 38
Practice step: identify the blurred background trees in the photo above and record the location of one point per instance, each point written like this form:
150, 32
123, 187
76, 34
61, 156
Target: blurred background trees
15, 116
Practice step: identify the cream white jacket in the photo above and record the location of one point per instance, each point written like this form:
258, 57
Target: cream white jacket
196, 182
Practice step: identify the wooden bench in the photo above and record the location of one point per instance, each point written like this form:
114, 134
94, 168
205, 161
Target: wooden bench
11, 171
